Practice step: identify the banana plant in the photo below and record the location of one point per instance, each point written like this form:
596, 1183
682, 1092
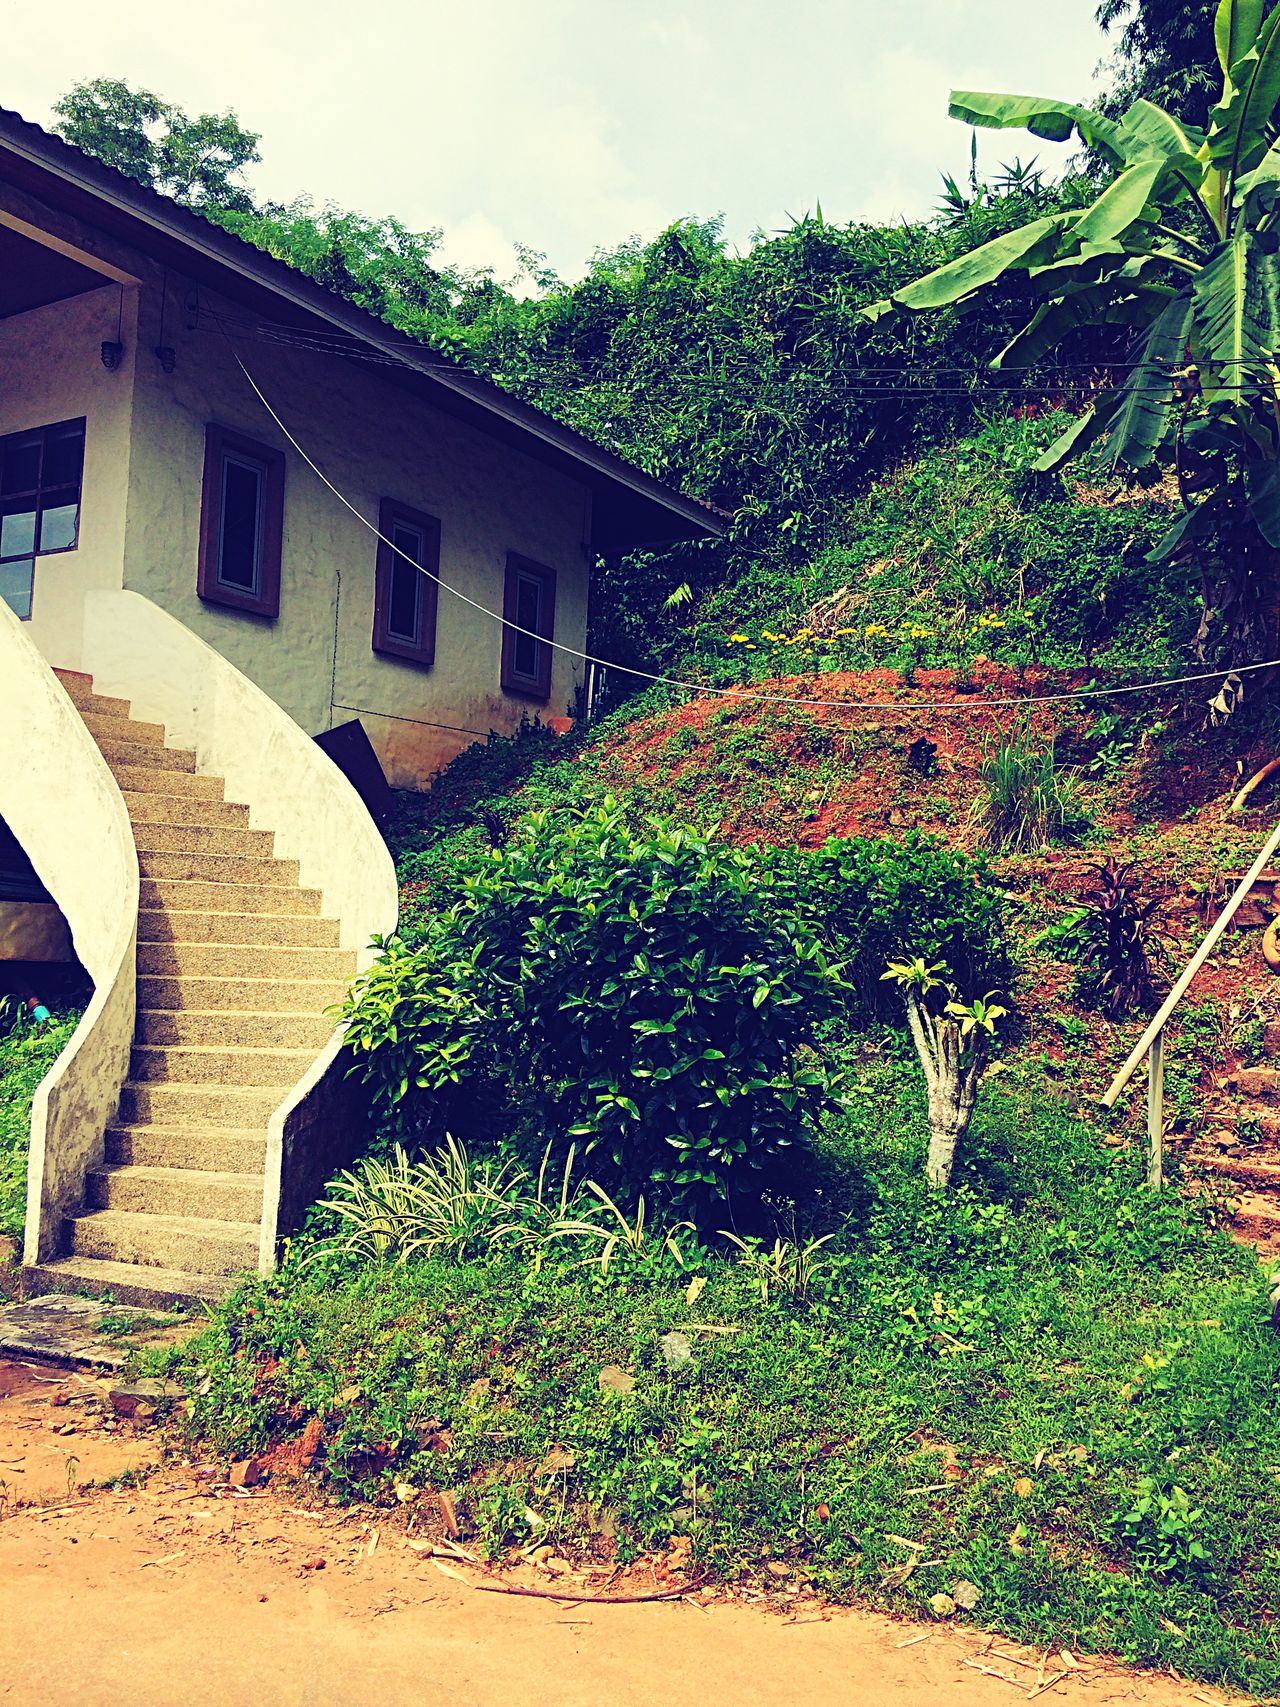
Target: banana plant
1180, 248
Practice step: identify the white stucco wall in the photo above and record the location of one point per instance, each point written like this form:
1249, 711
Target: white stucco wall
373, 437
51, 370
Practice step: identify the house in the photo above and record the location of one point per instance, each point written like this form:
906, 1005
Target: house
236, 513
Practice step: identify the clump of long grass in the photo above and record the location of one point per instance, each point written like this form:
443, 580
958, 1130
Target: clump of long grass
445, 1204
1027, 799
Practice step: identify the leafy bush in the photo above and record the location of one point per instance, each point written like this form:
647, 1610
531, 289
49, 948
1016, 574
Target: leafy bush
877, 900
1114, 968
650, 997
1027, 801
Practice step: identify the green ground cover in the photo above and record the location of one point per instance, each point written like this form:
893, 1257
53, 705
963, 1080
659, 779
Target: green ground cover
1063, 1389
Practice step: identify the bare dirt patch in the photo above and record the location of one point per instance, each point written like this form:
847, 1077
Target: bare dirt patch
175, 1588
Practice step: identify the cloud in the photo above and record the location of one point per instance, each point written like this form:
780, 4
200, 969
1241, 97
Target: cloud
573, 124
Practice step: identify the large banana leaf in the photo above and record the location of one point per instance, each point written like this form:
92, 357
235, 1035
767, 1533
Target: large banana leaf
1141, 419
1053, 120
1078, 435
1235, 29
1238, 125
1113, 302
982, 266
1235, 316
1262, 486
1148, 132
1122, 204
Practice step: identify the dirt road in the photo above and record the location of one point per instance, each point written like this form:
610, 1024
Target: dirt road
165, 1592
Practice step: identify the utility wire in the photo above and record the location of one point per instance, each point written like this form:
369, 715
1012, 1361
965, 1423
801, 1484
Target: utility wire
704, 689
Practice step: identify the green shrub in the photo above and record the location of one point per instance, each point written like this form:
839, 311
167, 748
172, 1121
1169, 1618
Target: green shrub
874, 901
651, 997
1026, 800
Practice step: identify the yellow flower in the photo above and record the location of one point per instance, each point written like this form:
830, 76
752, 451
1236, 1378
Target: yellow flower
918, 633
739, 639
873, 629
841, 632
991, 622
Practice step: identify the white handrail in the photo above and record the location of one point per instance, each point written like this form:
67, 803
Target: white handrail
1151, 1043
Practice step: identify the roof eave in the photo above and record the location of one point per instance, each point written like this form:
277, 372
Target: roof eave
70, 165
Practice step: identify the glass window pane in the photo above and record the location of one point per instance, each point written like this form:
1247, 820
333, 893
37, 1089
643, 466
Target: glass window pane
63, 456
58, 527
18, 533
15, 586
526, 654
239, 539
20, 463
405, 596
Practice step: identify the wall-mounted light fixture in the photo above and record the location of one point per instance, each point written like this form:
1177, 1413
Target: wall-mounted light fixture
111, 351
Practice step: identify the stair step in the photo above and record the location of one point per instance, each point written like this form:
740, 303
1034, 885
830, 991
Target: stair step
150, 837
1249, 1170
219, 868
125, 1281
244, 995
243, 960
235, 1106
187, 1192
126, 729
79, 690
185, 809
185, 894
204, 1064
230, 1030
139, 779
257, 930
190, 1242
1256, 1081
225, 1150
140, 755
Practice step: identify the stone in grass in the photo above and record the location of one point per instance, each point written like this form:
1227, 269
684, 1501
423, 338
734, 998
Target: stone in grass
677, 1353
153, 1396
615, 1380
942, 1604
966, 1594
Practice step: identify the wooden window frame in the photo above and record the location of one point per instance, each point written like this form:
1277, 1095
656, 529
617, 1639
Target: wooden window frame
528, 687
386, 644
266, 601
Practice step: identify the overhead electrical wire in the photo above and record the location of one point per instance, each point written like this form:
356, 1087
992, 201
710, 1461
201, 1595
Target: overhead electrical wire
703, 689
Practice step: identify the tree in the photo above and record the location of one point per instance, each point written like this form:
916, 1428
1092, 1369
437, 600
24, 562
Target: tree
1165, 54
952, 1040
197, 160
1180, 250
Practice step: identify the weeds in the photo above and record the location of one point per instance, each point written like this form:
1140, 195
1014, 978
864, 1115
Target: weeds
1027, 801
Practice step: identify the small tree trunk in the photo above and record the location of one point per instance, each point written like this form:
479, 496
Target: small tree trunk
951, 1073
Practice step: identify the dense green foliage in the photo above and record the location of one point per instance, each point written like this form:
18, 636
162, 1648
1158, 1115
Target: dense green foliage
197, 161
1055, 1348
646, 995
874, 900
965, 553
26, 1054
1179, 247
1164, 53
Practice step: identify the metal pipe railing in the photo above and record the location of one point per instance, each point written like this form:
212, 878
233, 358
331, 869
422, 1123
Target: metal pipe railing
1151, 1043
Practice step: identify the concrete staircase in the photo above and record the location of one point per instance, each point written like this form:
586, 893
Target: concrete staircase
1242, 1149
235, 968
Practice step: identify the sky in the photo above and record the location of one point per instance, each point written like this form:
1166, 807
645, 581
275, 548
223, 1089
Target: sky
572, 125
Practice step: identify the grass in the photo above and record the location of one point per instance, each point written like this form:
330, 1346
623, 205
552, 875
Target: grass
1018, 1376
26, 1055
